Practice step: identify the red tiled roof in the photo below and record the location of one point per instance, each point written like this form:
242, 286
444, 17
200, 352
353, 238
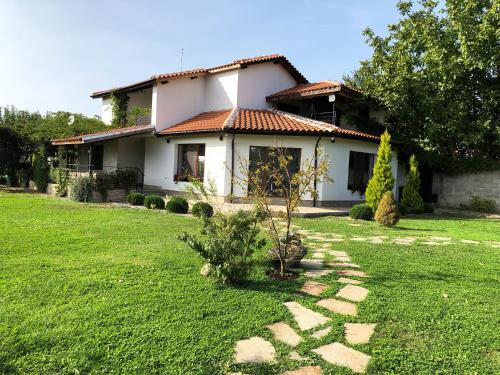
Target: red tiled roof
260, 121
204, 122
103, 134
279, 59
313, 89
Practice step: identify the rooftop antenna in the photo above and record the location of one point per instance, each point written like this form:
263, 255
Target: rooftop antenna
182, 55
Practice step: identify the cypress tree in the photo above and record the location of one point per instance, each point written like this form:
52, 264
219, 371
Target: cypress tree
382, 180
387, 212
412, 202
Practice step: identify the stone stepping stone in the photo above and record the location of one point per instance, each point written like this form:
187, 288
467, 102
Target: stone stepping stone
318, 255
312, 264
308, 370
338, 307
342, 259
377, 240
284, 333
352, 273
435, 238
358, 333
336, 240
431, 243
470, 242
254, 350
346, 280
354, 225
317, 273
353, 293
297, 357
306, 318
341, 355
338, 253
344, 265
321, 333
313, 288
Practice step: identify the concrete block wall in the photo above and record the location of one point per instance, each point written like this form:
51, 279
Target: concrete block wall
452, 190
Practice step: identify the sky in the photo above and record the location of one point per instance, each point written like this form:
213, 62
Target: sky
55, 53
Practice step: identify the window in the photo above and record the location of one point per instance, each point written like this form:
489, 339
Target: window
96, 157
190, 162
264, 155
360, 171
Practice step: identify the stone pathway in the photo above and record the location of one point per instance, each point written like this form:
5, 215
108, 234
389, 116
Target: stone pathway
311, 322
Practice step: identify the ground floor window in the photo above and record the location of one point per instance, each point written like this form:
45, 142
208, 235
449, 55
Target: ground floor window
360, 171
267, 155
190, 162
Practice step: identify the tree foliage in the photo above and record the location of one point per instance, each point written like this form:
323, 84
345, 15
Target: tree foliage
436, 72
411, 201
387, 213
382, 180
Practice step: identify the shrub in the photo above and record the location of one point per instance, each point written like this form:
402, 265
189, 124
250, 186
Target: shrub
154, 202
135, 199
361, 211
428, 208
82, 188
3, 180
178, 205
200, 209
411, 201
387, 212
227, 243
382, 179
41, 171
482, 205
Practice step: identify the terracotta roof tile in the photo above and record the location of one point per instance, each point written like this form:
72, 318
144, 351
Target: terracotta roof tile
312, 89
115, 132
204, 122
262, 122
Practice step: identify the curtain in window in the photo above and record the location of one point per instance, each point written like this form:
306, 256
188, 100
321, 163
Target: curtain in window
191, 161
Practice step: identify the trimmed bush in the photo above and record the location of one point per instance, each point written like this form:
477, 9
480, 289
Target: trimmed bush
428, 208
135, 199
41, 171
411, 202
178, 205
361, 212
387, 212
382, 179
482, 205
82, 188
154, 202
202, 209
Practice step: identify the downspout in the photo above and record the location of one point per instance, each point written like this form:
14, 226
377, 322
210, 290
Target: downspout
232, 170
316, 169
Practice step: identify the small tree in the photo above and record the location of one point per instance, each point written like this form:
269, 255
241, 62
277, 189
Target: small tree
41, 170
412, 202
387, 212
382, 180
291, 186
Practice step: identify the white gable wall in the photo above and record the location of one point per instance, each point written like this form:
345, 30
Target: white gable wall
176, 101
106, 111
221, 90
260, 80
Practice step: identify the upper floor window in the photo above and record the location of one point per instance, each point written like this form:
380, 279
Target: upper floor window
190, 162
360, 170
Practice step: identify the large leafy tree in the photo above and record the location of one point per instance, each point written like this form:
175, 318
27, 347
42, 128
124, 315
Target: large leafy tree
436, 72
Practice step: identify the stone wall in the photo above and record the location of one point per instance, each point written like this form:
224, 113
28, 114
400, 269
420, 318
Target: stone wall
452, 190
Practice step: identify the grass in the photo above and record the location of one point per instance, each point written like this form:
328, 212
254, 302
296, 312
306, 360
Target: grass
96, 289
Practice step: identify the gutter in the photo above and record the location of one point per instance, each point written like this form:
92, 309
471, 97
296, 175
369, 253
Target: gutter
316, 169
232, 169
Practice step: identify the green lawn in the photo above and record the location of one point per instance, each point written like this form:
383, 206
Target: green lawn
95, 289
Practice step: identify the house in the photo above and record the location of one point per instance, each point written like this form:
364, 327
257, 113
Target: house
204, 122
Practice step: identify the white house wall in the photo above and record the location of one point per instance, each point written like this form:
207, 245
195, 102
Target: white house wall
176, 101
221, 90
338, 155
106, 111
131, 152
258, 81
161, 162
